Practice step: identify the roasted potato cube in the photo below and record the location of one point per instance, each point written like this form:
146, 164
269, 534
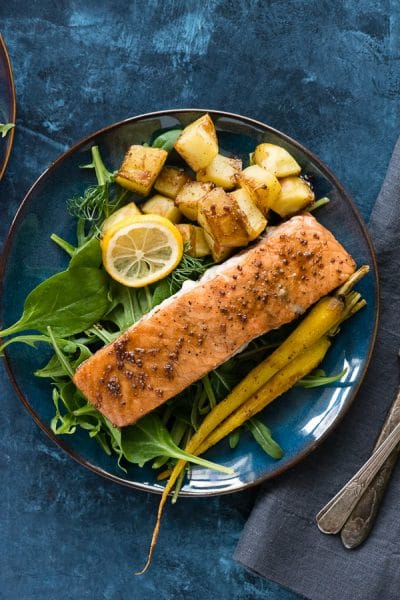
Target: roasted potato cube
262, 186
220, 217
170, 181
140, 168
188, 198
276, 159
232, 219
218, 252
253, 219
198, 143
161, 205
127, 211
194, 237
221, 171
295, 195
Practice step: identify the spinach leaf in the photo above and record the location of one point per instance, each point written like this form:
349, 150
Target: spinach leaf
262, 435
88, 255
167, 140
69, 302
149, 439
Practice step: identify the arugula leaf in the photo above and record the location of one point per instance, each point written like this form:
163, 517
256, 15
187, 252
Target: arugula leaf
5, 128
125, 307
69, 302
65, 394
318, 378
262, 435
177, 432
149, 439
161, 292
103, 175
54, 369
234, 438
30, 340
167, 140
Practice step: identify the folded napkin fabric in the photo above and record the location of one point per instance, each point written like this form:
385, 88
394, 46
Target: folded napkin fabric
281, 540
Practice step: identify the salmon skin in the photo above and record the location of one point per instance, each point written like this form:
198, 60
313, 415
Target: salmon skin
210, 320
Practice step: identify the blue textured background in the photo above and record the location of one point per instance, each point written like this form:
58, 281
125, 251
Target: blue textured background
325, 73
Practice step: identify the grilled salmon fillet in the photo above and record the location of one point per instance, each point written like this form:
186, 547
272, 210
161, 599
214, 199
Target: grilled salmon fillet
208, 321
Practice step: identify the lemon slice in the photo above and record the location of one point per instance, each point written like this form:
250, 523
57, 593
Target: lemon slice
141, 250
126, 212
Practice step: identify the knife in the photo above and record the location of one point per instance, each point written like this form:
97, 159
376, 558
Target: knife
361, 520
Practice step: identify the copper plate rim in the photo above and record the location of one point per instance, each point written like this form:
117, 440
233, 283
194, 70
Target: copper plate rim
311, 447
10, 135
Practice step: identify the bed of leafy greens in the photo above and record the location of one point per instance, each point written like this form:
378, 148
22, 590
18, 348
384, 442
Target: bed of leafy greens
81, 308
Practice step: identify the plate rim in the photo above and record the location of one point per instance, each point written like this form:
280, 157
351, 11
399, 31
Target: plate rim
10, 135
310, 447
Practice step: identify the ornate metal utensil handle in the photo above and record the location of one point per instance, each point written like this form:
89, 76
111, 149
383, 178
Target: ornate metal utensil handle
335, 514
362, 518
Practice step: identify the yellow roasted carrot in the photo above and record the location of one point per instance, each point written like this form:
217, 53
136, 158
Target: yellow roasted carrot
325, 315
279, 383
297, 356
282, 381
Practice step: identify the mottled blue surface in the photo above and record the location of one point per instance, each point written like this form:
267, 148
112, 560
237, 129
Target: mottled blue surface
327, 74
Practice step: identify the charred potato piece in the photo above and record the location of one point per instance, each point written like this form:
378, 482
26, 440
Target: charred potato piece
194, 237
253, 219
276, 159
170, 181
127, 211
219, 216
262, 186
295, 195
233, 220
198, 143
218, 251
189, 196
161, 205
221, 171
140, 168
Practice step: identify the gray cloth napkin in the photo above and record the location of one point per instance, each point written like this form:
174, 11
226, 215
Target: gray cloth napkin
281, 540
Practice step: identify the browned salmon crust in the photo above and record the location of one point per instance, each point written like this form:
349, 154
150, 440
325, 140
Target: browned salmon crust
201, 327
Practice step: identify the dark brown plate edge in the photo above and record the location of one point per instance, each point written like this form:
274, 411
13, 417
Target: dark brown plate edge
311, 447
10, 135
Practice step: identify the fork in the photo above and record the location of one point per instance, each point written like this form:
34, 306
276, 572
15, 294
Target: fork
336, 512
361, 520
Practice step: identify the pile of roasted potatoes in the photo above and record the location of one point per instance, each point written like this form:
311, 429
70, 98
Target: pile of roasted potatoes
229, 204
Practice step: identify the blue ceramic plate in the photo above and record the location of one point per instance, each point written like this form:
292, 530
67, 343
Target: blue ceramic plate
301, 419
7, 105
